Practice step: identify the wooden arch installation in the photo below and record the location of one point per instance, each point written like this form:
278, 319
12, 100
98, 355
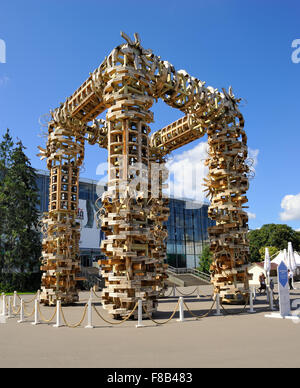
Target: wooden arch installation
126, 84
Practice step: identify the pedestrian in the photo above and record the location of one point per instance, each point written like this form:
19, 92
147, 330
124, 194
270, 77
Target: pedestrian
290, 275
262, 281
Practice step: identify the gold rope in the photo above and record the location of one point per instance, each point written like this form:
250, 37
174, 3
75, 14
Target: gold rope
115, 323
16, 312
239, 312
42, 316
199, 316
28, 315
30, 301
77, 324
99, 297
161, 323
186, 294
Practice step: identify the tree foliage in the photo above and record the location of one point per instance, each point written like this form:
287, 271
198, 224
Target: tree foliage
20, 237
206, 259
272, 252
272, 235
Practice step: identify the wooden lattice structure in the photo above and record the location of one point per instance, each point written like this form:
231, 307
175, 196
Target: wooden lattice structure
132, 217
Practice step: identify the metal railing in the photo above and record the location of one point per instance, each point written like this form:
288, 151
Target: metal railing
193, 271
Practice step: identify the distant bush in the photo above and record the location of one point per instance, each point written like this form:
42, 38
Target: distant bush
21, 282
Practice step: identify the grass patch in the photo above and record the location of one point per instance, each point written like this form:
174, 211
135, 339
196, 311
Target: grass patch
19, 293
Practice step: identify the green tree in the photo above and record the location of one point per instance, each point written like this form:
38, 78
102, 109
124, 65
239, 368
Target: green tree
206, 259
23, 215
6, 147
273, 235
20, 236
272, 252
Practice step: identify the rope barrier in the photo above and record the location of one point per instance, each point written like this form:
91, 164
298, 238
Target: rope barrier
166, 296
16, 312
186, 294
199, 316
28, 315
30, 301
77, 324
99, 297
161, 323
115, 323
42, 316
239, 312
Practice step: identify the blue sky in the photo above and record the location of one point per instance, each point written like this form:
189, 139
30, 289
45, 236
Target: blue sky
53, 45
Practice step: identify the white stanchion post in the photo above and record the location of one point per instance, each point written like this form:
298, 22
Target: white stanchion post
140, 314
22, 318
218, 306
254, 294
181, 310
174, 291
4, 313
271, 301
251, 303
38, 295
36, 313
89, 325
9, 315
198, 293
15, 299
58, 318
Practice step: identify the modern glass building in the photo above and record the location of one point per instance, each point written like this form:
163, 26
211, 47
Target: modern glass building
187, 225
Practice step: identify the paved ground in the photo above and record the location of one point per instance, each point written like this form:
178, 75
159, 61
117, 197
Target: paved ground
247, 340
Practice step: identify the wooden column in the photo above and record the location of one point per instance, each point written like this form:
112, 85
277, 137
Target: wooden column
228, 184
61, 261
130, 271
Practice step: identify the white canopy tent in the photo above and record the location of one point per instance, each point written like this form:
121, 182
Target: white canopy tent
281, 257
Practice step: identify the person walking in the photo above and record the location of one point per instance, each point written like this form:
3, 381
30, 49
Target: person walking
262, 281
290, 275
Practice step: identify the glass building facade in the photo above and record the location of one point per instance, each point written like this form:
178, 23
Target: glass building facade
187, 225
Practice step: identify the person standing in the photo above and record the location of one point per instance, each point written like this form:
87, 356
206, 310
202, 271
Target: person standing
262, 281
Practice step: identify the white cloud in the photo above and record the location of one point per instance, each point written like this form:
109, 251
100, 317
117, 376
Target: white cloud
253, 154
251, 216
291, 206
187, 171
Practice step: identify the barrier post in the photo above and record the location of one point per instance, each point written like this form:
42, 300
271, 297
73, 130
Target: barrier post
251, 303
22, 318
36, 313
4, 313
271, 301
181, 310
140, 314
218, 306
39, 295
254, 293
15, 299
9, 315
198, 293
89, 325
58, 319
